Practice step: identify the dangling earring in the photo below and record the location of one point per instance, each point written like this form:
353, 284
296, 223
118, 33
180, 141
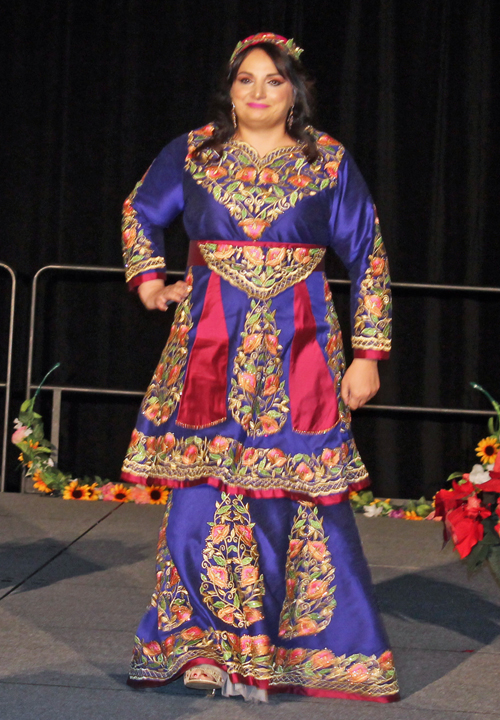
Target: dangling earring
289, 120
233, 116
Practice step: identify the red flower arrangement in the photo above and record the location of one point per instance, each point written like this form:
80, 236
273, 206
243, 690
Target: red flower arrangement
470, 511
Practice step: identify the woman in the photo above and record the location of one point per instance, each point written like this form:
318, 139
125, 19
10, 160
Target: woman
261, 582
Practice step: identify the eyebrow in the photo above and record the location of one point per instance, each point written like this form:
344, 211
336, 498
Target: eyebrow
247, 72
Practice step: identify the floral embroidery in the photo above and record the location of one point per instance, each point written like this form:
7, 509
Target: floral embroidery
261, 272
248, 468
257, 398
232, 587
372, 323
309, 601
335, 353
258, 190
137, 248
165, 389
170, 596
256, 657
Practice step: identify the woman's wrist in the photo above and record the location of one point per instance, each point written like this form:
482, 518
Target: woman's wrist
148, 292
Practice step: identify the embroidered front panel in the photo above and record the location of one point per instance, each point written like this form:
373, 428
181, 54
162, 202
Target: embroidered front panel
335, 353
372, 319
232, 586
257, 399
165, 389
194, 458
137, 249
255, 657
170, 597
259, 271
258, 190
309, 601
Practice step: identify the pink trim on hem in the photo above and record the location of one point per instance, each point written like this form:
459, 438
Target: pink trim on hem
264, 685
134, 282
372, 354
236, 490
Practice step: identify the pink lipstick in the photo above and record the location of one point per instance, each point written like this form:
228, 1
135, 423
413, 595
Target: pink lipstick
257, 105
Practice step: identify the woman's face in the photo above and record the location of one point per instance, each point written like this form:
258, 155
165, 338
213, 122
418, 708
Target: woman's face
262, 97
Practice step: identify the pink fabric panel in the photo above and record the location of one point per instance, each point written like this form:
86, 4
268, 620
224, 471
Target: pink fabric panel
204, 395
313, 400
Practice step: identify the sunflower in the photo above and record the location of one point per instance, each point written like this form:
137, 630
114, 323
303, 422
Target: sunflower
121, 493
74, 491
92, 492
487, 449
28, 463
39, 484
158, 495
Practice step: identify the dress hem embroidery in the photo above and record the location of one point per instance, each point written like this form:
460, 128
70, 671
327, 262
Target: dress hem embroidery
253, 660
332, 499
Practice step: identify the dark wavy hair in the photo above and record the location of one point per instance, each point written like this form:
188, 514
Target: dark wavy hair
291, 69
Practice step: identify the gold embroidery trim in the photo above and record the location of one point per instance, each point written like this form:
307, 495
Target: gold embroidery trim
170, 598
372, 319
310, 601
335, 354
255, 190
232, 586
137, 248
249, 468
165, 390
259, 271
255, 657
257, 398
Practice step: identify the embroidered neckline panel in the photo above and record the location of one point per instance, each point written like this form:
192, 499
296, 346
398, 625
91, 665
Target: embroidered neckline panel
257, 190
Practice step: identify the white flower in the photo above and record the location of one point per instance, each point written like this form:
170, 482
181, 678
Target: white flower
372, 510
480, 474
50, 462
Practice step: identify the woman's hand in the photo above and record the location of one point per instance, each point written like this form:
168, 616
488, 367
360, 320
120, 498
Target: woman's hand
360, 382
155, 295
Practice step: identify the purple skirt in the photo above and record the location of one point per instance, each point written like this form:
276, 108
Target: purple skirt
276, 593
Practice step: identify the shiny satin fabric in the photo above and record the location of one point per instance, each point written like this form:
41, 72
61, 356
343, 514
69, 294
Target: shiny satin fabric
313, 399
267, 580
318, 460
342, 218
354, 631
204, 395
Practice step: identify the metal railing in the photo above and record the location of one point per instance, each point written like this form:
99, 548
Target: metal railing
8, 375
57, 390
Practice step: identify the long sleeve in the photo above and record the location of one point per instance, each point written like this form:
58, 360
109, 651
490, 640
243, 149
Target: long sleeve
153, 204
356, 239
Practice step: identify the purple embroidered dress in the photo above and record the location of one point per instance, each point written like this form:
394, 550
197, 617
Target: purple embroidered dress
259, 566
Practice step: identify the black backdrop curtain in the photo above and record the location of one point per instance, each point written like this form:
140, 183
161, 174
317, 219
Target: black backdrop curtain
93, 90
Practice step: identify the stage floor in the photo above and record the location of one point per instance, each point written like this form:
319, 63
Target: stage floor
80, 575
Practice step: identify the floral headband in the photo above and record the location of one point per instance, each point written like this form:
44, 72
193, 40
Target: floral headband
288, 45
